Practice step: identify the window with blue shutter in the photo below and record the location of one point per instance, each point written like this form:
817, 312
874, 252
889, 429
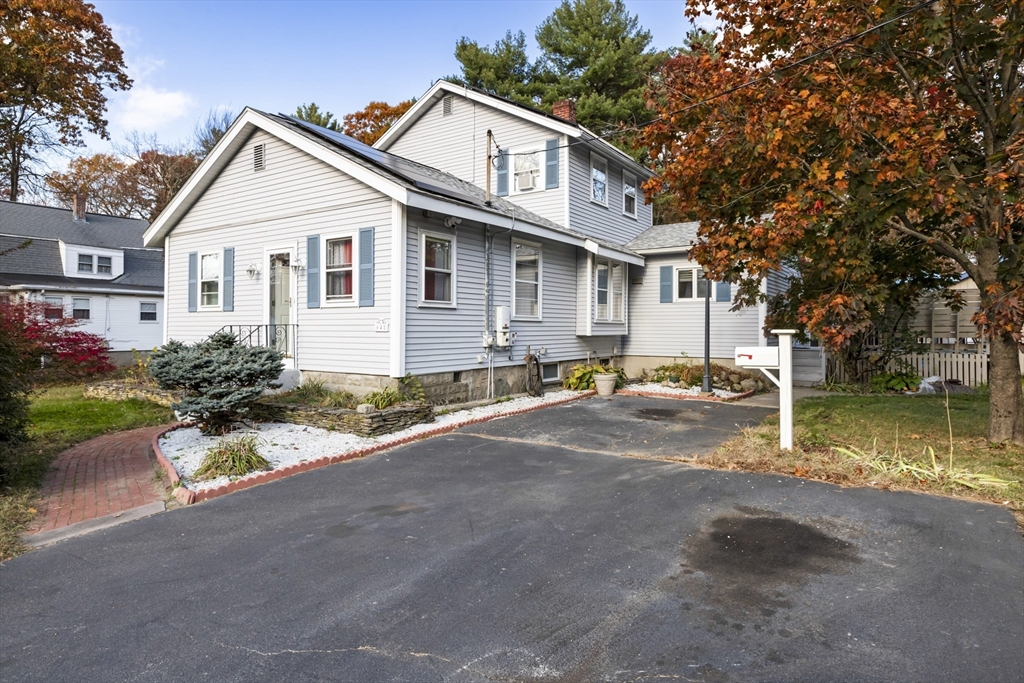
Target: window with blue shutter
665, 283
551, 164
229, 280
193, 282
313, 271
502, 174
366, 267
723, 292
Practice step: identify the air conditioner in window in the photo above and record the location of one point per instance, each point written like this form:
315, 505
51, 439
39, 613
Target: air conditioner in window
524, 181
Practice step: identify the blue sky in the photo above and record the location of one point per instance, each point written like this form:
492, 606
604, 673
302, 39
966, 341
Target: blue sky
190, 57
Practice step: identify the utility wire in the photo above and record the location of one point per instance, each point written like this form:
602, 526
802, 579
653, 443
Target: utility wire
746, 84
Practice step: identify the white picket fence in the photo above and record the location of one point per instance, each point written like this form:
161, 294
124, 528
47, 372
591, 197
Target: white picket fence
970, 369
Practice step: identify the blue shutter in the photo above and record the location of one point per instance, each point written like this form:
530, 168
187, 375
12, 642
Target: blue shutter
666, 284
551, 164
313, 271
502, 174
366, 267
193, 282
229, 280
722, 292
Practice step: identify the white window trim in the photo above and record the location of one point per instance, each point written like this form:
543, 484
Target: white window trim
540, 280
675, 285
47, 303
607, 179
541, 170
110, 265
88, 301
625, 291
424, 234
558, 373
220, 281
636, 198
149, 322
92, 264
340, 303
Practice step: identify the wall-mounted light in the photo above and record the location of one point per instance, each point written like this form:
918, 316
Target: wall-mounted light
297, 266
252, 270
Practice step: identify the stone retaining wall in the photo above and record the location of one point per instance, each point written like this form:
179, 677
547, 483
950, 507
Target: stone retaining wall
118, 390
369, 424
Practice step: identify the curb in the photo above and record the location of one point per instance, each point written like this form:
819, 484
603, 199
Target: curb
187, 496
680, 397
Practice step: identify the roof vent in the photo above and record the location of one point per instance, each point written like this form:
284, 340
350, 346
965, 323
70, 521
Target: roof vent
447, 104
259, 157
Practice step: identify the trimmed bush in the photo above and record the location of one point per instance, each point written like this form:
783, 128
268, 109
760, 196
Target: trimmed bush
220, 379
235, 457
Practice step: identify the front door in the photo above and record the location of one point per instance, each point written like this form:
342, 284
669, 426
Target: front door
280, 297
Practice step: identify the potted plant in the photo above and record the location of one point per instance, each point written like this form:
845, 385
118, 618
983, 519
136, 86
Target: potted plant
604, 382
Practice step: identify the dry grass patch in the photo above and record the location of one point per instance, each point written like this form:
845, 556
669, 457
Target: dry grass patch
893, 442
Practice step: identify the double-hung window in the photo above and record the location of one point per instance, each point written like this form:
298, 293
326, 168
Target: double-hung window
629, 195
54, 307
527, 171
437, 256
209, 281
691, 283
526, 261
85, 263
147, 312
103, 264
611, 291
339, 269
599, 180
80, 309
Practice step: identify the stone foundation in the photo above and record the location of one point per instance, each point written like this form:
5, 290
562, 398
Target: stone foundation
370, 424
357, 385
118, 390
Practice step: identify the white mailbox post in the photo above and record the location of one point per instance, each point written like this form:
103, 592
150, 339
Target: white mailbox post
779, 358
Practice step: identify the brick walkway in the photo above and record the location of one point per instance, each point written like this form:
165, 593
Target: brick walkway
103, 476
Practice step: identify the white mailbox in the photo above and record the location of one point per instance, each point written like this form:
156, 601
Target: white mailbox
757, 356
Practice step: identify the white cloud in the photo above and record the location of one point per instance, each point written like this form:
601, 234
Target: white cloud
147, 108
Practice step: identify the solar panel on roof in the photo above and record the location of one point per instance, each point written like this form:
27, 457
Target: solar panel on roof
397, 165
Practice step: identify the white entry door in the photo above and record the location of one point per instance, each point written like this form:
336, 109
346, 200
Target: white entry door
281, 301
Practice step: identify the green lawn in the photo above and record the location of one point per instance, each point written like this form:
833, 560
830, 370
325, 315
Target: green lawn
881, 423
60, 418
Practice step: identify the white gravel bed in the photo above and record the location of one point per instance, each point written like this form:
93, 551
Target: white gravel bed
290, 444
652, 388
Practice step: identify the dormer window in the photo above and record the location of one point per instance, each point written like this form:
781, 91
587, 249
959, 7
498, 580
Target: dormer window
85, 263
103, 264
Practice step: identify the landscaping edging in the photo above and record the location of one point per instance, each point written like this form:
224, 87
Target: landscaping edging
187, 496
684, 397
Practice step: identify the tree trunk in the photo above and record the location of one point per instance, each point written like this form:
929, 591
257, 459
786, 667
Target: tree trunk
1005, 404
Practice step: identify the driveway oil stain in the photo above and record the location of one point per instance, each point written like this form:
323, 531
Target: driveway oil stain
659, 414
395, 510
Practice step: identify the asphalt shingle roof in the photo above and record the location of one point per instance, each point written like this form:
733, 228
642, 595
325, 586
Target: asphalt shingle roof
668, 236
97, 230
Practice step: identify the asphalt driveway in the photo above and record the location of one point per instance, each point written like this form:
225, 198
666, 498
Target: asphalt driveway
483, 557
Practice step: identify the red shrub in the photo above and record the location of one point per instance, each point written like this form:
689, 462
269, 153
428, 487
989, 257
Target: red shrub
54, 343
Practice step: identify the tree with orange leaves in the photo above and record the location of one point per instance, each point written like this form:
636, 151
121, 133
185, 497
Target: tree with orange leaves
873, 147
372, 121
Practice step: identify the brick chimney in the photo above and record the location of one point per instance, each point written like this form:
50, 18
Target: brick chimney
565, 110
79, 206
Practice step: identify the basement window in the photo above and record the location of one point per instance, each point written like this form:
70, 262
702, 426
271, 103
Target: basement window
549, 373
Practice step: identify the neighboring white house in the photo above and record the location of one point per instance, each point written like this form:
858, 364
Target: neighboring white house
87, 266
363, 264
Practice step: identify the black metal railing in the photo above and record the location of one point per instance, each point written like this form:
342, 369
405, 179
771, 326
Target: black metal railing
280, 337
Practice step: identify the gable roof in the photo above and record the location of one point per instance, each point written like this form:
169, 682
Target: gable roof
409, 182
38, 265
98, 230
536, 116
670, 237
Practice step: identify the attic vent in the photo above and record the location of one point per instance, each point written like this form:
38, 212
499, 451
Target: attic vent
259, 157
446, 105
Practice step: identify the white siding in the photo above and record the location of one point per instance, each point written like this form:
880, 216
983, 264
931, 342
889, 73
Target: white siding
295, 196
445, 340
457, 144
115, 317
670, 329
606, 222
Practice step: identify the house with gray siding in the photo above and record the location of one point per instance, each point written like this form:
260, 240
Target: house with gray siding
87, 266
